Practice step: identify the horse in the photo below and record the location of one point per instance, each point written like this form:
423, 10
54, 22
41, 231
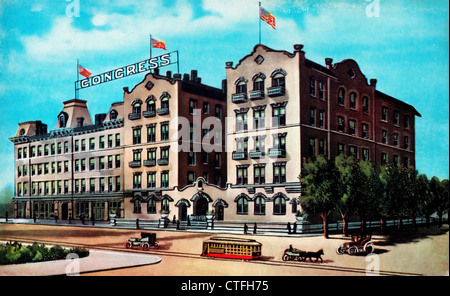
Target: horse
316, 255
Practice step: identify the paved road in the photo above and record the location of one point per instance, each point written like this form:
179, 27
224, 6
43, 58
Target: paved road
180, 253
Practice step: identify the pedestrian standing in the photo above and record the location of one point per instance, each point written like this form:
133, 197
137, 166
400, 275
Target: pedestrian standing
245, 228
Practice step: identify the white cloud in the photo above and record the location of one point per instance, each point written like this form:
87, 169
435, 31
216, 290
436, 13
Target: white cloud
99, 20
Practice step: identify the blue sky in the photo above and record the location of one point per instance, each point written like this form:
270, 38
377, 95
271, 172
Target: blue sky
405, 48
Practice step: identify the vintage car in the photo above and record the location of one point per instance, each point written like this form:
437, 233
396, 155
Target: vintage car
146, 241
359, 243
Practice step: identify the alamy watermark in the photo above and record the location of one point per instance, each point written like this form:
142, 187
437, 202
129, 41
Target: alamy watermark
73, 267
373, 8
373, 265
73, 8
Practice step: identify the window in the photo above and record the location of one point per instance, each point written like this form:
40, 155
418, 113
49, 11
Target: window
110, 161
165, 179
322, 146
83, 165
384, 137
352, 100
352, 127
218, 112
117, 183
259, 118
59, 148
151, 154
39, 151
242, 205
136, 135
91, 164
279, 141
63, 118
110, 184
312, 86
165, 131
137, 206
278, 115
113, 114
191, 158
384, 113
406, 142
341, 123
396, 161
279, 172
91, 144
165, 204
353, 151
365, 104
91, 185
322, 119
165, 103
259, 174
312, 147
365, 130
341, 148
341, 96
76, 148
191, 177
396, 118
242, 144
137, 180
117, 161
151, 105
395, 139
151, 179
260, 206
164, 153
241, 86
101, 142
192, 106
217, 156
365, 156
83, 146
137, 154
136, 109
151, 133
241, 121
321, 90
117, 140
205, 108
279, 78
260, 143
151, 206
279, 206
312, 116
258, 83
406, 121
241, 176
102, 185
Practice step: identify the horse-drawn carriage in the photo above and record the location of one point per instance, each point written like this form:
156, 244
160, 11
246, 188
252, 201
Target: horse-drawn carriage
293, 254
359, 243
146, 241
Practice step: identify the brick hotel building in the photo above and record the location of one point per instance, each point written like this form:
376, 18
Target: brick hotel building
282, 108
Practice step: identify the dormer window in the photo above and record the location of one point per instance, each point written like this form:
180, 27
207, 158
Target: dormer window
113, 114
63, 118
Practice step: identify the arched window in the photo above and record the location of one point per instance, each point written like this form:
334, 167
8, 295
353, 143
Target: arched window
22, 132
241, 86
165, 204
113, 114
151, 106
352, 101
260, 205
258, 81
279, 205
151, 206
136, 105
63, 118
278, 77
365, 104
137, 206
164, 103
341, 96
242, 204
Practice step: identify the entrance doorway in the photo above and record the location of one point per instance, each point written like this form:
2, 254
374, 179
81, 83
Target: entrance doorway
201, 206
182, 212
64, 211
219, 212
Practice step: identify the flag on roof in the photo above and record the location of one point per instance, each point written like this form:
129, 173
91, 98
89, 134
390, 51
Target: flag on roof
83, 71
267, 17
158, 44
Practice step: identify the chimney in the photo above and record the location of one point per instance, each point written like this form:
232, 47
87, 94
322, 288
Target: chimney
228, 64
224, 86
156, 71
169, 74
373, 82
177, 76
193, 75
329, 62
298, 47
185, 76
99, 118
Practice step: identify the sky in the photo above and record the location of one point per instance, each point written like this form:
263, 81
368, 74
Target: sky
404, 44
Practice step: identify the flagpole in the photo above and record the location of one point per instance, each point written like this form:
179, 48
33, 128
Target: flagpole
78, 79
259, 14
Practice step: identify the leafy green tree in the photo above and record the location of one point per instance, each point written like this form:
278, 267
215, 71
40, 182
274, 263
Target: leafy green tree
321, 179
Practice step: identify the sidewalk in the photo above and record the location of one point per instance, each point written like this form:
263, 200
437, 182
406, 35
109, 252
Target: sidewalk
97, 260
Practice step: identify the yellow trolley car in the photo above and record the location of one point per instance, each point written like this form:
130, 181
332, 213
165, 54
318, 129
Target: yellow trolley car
230, 247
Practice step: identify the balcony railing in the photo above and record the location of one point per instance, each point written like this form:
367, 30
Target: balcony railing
149, 162
163, 111
163, 161
239, 155
276, 91
277, 152
135, 164
148, 114
256, 154
134, 116
239, 98
257, 95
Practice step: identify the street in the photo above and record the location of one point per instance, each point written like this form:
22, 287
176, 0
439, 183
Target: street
180, 252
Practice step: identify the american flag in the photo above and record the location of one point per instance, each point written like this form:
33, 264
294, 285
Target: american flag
268, 17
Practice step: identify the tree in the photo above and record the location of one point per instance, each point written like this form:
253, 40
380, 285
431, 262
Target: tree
440, 191
321, 179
